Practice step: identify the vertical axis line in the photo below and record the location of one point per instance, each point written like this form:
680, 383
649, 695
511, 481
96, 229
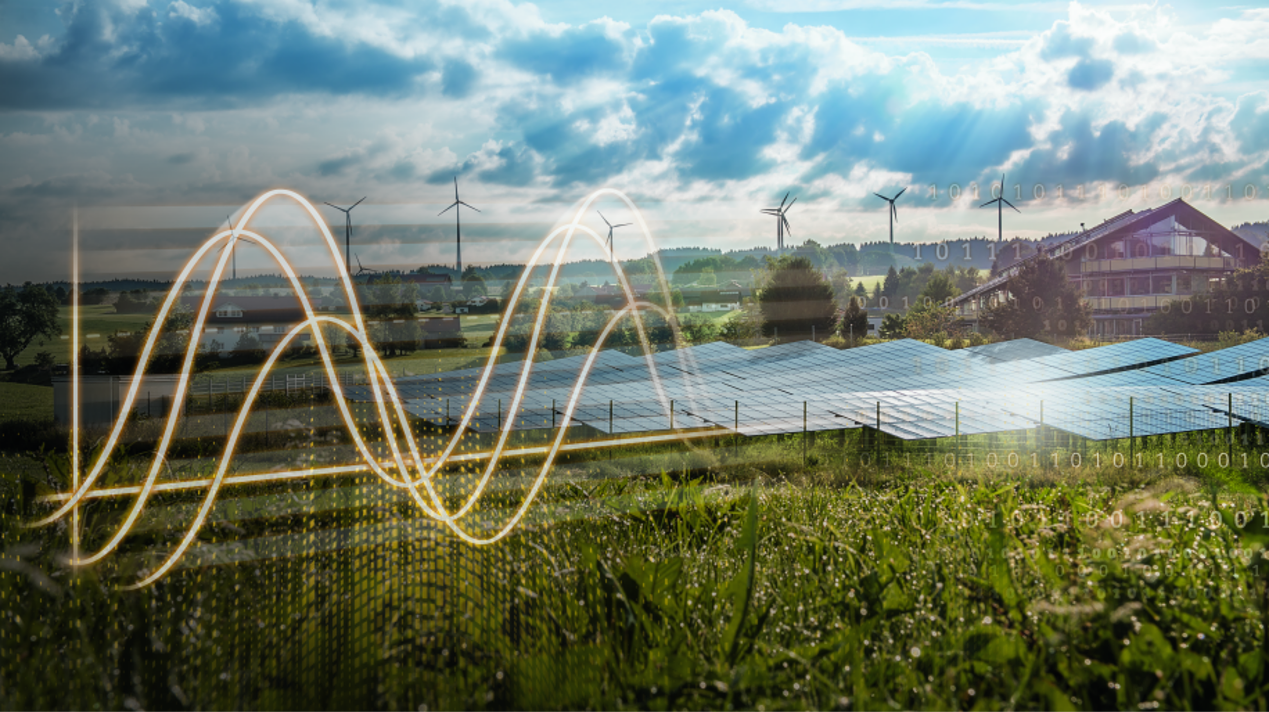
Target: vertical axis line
74, 404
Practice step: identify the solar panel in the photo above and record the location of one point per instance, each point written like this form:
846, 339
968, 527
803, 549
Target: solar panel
1143, 387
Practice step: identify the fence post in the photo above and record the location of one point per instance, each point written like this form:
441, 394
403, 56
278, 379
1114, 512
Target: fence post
1229, 437
958, 435
1131, 434
671, 415
552, 415
735, 440
877, 448
803, 433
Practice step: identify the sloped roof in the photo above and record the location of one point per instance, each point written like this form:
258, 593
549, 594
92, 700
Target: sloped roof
1125, 222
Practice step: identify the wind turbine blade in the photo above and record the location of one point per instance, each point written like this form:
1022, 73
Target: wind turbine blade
787, 227
356, 203
601, 217
894, 213
790, 205
462, 203
446, 210
879, 195
623, 225
786, 197
896, 195
989, 202
1006, 202
336, 207
455, 189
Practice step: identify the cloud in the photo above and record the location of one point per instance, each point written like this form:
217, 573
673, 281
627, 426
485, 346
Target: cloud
570, 55
1080, 152
1129, 42
1060, 42
458, 79
1090, 74
232, 54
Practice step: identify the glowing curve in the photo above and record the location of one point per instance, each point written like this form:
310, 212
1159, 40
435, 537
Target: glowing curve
374, 369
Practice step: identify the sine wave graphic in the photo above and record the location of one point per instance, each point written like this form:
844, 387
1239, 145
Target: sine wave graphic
414, 472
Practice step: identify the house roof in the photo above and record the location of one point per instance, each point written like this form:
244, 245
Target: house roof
1124, 223
254, 309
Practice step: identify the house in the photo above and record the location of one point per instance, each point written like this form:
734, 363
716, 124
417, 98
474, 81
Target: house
1130, 266
714, 298
268, 319
426, 279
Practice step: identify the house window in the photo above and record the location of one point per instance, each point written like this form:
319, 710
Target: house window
229, 311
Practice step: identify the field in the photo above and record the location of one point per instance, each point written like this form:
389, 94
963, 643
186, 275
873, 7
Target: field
769, 573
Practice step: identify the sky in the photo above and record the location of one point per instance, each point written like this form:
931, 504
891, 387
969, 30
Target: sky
157, 120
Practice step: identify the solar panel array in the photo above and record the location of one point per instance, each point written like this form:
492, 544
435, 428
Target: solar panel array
906, 388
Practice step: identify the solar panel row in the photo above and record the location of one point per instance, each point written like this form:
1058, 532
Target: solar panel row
921, 391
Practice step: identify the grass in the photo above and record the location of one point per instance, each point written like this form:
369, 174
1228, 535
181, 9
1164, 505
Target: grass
95, 324
27, 402
665, 579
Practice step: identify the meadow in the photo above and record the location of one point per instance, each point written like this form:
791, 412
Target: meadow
765, 573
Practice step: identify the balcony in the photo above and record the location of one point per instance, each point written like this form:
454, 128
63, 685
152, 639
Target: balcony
1168, 262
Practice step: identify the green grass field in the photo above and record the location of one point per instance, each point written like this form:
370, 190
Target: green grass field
673, 579
19, 400
96, 323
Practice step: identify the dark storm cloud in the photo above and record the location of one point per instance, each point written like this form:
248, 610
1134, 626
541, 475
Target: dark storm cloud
111, 57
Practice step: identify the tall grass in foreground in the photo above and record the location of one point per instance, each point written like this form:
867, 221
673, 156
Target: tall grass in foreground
740, 579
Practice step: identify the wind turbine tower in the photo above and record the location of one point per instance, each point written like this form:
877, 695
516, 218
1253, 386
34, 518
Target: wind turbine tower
894, 213
347, 232
611, 227
782, 222
457, 206
1000, 209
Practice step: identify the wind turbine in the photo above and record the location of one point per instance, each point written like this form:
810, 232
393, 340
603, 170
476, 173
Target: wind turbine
347, 230
458, 225
361, 269
894, 213
230, 246
611, 227
782, 223
1000, 209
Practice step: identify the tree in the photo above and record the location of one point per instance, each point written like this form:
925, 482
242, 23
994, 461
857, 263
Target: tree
939, 289
854, 321
248, 349
861, 291
840, 282
1040, 301
25, 315
796, 301
473, 284
893, 326
890, 286
927, 320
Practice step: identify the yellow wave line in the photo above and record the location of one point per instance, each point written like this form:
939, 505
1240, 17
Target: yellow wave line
427, 467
